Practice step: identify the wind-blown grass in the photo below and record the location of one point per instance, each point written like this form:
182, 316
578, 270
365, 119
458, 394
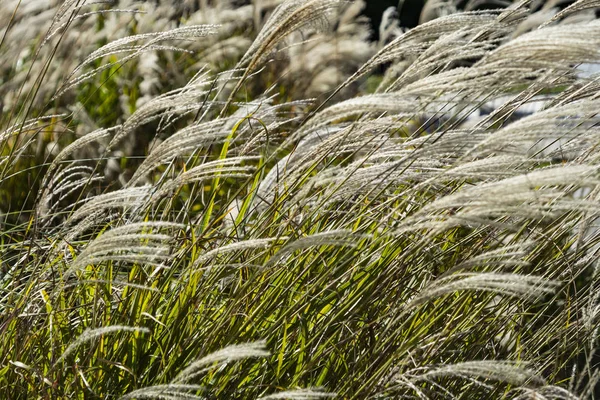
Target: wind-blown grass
189, 214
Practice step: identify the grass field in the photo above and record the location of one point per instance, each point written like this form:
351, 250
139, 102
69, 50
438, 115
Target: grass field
209, 200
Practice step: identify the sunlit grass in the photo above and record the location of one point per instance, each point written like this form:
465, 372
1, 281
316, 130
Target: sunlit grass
175, 229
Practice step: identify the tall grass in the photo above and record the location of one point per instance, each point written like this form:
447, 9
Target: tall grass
188, 213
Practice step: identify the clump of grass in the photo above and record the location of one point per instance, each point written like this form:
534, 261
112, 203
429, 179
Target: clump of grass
223, 235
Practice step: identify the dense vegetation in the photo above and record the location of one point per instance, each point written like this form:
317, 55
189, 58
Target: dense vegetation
219, 200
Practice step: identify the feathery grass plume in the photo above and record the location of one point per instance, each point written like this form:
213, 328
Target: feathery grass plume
389, 102
166, 392
310, 152
92, 334
53, 31
133, 243
545, 393
119, 199
66, 183
26, 125
235, 130
118, 46
176, 102
77, 145
320, 63
580, 175
573, 8
228, 354
300, 394
183, 143
578, 90
234, 247
502, 371
489, 168
553, 47
343, 184
413, 42
445, 52
509, 256
339, 237
50, 181
287, 18
123, 44
566, 128
529, 196
227, 168
522, 286
317, 140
